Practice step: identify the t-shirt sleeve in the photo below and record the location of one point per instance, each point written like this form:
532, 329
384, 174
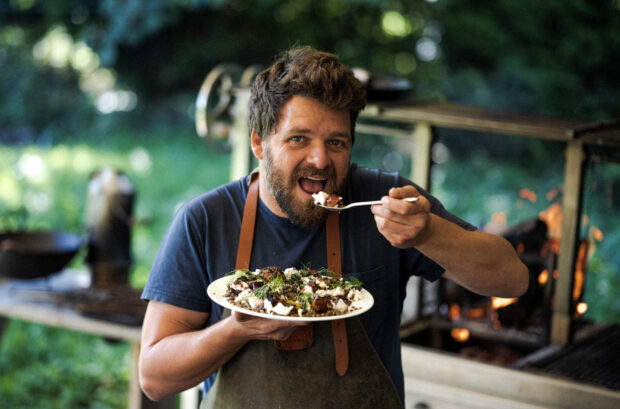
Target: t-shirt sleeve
178, 275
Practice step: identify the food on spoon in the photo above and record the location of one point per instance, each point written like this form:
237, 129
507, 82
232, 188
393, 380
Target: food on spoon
301, 292
327, 199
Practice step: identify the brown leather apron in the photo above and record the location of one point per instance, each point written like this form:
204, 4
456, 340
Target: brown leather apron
299, 373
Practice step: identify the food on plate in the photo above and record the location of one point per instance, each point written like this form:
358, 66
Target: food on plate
300, 292
327, 199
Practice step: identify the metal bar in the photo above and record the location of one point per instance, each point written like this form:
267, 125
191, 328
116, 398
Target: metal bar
571, 210
241, 155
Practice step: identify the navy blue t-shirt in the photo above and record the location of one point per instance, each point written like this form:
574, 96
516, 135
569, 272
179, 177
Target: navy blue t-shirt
201, 246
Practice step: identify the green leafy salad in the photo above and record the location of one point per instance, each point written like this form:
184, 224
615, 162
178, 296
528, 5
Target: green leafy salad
300, 292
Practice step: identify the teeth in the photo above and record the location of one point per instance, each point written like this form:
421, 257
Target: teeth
315, 178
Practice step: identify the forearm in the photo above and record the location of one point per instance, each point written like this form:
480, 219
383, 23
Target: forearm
484, 263
180, 361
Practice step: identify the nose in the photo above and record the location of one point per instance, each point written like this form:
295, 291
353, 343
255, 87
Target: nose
318, 156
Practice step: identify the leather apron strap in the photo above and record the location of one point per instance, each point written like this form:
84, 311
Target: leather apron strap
246, 236
334, 263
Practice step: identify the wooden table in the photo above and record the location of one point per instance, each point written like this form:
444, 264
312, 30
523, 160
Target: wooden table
38, 301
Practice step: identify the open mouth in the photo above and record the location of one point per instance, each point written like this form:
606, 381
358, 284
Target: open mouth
312, 184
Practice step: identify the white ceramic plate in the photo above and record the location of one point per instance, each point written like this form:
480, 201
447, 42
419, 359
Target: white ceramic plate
217, 289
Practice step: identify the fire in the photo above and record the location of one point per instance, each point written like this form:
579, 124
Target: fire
553, 217
477, 312
543, 277
582, 307
528, 194
552, 194
455, 312
580, 269
498, 302
460, 334
597, 233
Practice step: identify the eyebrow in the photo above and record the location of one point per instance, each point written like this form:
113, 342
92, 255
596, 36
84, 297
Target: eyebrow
309, 131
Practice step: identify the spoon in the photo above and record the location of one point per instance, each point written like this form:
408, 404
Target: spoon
369, 203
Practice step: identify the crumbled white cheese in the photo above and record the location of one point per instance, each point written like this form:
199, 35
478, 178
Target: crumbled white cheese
268, 306
320, 198
335, 292
255, 302
280, 309
354, 295
243, 295
307, 289
290, 271
239, 285
341, 306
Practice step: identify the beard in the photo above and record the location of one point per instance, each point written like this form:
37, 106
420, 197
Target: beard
302, 212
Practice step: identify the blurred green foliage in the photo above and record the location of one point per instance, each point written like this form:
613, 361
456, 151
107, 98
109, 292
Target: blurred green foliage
45, 188
553, 58
45, 367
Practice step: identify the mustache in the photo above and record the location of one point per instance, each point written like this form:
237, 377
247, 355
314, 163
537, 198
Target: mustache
309, 170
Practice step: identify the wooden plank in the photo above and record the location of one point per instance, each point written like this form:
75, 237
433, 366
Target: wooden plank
492, 386
456, 116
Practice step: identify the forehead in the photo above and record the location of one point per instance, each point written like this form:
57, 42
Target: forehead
303, 113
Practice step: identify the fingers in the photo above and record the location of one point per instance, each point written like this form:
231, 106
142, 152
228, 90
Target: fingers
400, 222
393, 206
402, 192
265, 328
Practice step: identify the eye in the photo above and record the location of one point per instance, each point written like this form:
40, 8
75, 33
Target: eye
338, 143
296, 138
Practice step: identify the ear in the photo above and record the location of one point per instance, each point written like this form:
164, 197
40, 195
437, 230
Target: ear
257, 144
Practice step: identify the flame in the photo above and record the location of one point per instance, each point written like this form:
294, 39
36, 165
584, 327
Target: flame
498, 302
543, 277
479, 312
582, 307
460, 334
528, 194
454, 312
552, 194
553, 217
597, 234
580, 269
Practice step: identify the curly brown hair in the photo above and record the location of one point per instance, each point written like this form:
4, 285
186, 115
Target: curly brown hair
306, 72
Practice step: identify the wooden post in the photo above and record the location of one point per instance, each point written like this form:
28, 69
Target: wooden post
571, 211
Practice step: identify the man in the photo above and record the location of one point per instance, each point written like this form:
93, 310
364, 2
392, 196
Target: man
302, 119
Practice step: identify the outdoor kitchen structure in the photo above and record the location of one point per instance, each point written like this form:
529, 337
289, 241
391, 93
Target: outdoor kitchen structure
461, 350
